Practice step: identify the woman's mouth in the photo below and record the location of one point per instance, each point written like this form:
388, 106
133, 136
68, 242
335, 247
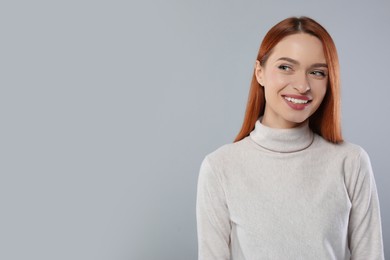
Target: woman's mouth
297, 102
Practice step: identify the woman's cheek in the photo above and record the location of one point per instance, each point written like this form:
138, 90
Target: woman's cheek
320, 87
278, 79
282, 80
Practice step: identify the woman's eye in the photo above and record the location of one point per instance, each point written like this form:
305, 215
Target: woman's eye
284, 67
319, 73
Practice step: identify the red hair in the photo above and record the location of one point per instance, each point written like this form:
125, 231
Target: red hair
326, 120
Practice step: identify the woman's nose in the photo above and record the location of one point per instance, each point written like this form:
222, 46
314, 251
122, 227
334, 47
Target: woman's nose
302, 84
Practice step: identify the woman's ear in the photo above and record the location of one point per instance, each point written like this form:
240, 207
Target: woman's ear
259, 73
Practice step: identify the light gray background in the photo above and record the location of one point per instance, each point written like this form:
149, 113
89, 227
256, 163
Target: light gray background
108, 108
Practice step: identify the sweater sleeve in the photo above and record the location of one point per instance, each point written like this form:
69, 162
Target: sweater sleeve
213, 222
364, 230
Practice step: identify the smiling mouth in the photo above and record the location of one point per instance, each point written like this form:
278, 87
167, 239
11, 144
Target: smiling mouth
296, 100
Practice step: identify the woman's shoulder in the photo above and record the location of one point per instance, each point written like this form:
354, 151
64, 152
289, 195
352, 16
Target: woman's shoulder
344, 149
229, 151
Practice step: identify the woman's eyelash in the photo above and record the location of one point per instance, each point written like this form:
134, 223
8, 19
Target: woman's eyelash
284, 67
319, 73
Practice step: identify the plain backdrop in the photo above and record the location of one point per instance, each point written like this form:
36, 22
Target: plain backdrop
108, 108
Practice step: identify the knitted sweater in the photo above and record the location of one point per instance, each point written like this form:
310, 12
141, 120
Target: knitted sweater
288, 194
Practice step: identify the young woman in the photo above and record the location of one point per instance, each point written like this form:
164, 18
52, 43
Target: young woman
289, 187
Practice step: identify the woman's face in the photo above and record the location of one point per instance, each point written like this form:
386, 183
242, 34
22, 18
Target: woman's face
294, 78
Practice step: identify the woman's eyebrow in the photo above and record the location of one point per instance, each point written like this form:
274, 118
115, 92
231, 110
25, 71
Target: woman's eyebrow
318, 65
289, 60
315, 65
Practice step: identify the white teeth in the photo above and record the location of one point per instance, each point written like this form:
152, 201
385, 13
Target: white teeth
296, 101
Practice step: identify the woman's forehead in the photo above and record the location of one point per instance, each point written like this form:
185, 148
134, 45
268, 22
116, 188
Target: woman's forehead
300, 47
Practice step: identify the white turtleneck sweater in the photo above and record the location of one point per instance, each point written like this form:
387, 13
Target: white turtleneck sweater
288, 194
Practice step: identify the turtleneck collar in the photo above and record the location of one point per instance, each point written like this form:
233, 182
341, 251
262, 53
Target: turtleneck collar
282, 140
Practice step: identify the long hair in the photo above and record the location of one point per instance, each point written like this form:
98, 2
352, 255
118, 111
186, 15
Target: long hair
326, 120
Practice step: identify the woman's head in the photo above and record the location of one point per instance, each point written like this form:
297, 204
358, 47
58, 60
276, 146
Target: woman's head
314, 54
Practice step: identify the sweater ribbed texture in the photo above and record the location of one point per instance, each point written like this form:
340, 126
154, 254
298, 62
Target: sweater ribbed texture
288, 194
